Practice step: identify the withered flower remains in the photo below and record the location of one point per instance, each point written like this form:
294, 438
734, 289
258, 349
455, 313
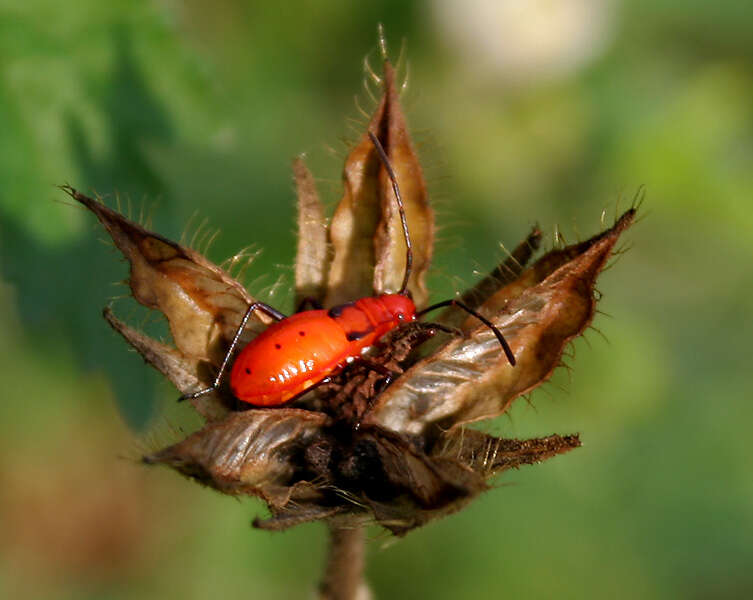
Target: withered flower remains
351, 451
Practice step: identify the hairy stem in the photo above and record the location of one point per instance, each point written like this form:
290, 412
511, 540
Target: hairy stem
343, 573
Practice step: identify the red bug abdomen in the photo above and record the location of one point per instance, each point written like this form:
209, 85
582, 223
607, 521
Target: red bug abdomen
288, 358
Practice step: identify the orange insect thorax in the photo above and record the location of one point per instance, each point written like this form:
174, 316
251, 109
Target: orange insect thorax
378, 315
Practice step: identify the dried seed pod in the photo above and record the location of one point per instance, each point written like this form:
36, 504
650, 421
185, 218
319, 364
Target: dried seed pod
351, 450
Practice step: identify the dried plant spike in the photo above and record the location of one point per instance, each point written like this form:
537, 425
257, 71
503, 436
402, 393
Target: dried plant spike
466, 380
312, 256
382, 40
366, 232
545, 265
202, 303
489, 456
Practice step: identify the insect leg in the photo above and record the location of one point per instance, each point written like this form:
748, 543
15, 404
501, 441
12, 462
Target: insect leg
503, 342
265, 308
388, 374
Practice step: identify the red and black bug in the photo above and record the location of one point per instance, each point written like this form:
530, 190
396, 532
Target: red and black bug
304, 349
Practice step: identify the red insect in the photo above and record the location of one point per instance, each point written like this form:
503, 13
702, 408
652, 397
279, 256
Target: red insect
305, 349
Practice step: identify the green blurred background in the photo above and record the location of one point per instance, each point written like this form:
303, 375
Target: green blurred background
545, 112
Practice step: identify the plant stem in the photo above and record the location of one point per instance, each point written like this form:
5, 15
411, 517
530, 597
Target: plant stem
343, 573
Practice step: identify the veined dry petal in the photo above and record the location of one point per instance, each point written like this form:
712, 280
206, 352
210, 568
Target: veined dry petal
202, 303
313, 249
469, 379
366, 234
351, 273
246, 453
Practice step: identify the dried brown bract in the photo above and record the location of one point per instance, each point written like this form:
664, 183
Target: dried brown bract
399, 456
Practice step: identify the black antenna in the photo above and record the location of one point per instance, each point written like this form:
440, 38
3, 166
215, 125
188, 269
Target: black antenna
409, 258
404, 220
500, 338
